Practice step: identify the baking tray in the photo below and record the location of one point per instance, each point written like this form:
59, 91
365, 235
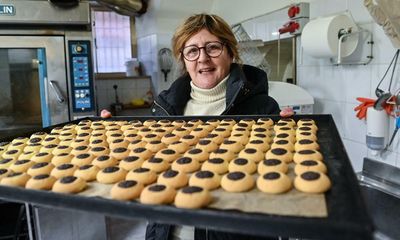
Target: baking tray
347, 214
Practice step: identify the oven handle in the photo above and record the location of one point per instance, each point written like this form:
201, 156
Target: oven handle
57, 91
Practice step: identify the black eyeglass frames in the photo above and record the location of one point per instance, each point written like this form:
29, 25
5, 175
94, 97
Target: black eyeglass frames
212, 49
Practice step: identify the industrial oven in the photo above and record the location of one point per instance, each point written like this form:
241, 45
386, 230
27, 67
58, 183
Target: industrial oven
46, 64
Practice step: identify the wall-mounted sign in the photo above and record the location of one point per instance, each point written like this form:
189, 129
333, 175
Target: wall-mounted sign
7, 9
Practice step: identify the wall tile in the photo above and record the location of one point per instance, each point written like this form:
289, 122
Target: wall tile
383, 48
356, 152
388, 157
354, 129
359, 12
357, 82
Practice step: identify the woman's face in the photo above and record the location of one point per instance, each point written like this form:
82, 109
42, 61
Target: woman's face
206, 72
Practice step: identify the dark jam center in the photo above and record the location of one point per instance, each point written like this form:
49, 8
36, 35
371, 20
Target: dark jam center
271, 176
192, 189
272, 162
307, 152
141, 170
103, 158
157, 188
127, 184
184, 160
236, 176
195, 151
131, 158
204, 174
310, 176
41, 176
83, 156
40, 165
305, 141
168, 151
68, 179
309, 163
65, 166
216, 160
241, 161
278, 151
110, 169
120, 150
155, 160
250, 150
170, 173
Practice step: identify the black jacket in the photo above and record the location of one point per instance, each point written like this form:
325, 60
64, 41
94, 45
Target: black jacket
246, 94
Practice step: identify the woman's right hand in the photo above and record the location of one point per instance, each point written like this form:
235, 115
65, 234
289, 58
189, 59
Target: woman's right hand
105, 114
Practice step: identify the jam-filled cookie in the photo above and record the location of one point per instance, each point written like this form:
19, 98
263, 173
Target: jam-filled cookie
41, 182
192, 197
61, 159
142, 175
126, 190
242, 165
155, 145
216, 165
197, 154
234, 146
306, 144
69, 184
175, 179
310, 165
120, 153
15, 179
104, 161
285, 144
269, 165
156, 164
63, 170
186, 165
157, 194
205, 179
111, 175
225, 154
274, 182
307, 155
21, 165
312, 182
131, 162
40, 168
237, 182
206, 145
167, 154
260, 144
87, 172
285, 136
253, 154
82, 159
279, 153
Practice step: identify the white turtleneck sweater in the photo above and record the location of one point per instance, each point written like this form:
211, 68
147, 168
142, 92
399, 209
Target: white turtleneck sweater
207, 101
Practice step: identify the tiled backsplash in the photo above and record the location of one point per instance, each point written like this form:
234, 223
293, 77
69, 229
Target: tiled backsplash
128, 89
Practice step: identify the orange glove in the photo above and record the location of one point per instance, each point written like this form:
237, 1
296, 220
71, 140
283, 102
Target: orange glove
362, 108
368, 102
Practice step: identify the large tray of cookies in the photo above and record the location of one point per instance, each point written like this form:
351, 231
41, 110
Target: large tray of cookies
334, 211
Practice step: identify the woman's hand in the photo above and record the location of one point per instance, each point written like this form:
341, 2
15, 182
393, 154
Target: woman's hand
105, 114
286, 112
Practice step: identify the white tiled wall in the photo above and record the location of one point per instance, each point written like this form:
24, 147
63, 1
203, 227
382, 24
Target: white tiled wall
335, 88
128, 89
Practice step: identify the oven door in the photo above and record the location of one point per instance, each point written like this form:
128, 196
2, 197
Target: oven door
33, 92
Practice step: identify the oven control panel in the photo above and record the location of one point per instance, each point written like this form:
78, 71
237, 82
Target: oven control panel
81, 78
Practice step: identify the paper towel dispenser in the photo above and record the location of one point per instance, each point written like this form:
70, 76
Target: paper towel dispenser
335, 36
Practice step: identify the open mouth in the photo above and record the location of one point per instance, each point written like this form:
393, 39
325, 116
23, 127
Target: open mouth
206, 70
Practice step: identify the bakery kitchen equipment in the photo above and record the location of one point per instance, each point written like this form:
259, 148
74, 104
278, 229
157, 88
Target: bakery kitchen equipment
46, 64
293, 96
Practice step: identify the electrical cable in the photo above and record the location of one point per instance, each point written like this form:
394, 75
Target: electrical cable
377, 89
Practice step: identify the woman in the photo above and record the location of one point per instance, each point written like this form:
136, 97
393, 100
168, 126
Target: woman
213, 83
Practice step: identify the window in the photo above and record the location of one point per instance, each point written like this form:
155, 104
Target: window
112, 37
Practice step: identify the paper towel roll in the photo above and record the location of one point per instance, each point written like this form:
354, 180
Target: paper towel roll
320, 37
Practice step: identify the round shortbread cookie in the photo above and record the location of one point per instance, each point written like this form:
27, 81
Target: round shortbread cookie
157, 194
69, 184
126, 190
26, 155
239, 137
17, 145
21, 165
41, 182
132, 137
82, 159
179, 146
151, 137
104, 161
42, 157
290, 121
306, 135
4, 172
34, 147
270, 165
207, 145
205, 179
120, 153
155, 145
40, 168
306, 144
199, 132
259, 144
61, 149
13, 153
98, 143
279, 153
61, 159
136, 144
186, 165
167, 154
288, 130
285, 144
15, 179
79, 150
307, 155
312, 182
192, 197
216, 165
111, 175
313, 130
7, 162
156, 164
310, 165
189, 139
242, 165
87, 172
253, 154
79, 142
141, 152
142, 175
175, 179
237, 182
48, 148
234, 146
131, 162
223, 132
63, 170
169, 138
178, 123
215, 122
305, 120
218, 139
274, 182
225, 154
118, 143
197, 154
285, 136
180, 132
98, 151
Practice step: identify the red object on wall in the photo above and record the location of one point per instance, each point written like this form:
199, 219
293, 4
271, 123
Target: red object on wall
290, 27
293, 11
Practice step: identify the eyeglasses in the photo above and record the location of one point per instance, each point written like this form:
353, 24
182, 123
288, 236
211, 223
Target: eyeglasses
212, 49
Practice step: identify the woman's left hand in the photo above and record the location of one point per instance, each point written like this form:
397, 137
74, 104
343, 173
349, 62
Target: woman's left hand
105, 114
286, 112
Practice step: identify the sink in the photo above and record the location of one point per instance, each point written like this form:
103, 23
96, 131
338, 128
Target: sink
380, 187
384, 209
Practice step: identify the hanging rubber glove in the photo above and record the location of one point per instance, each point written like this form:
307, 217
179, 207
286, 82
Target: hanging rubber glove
364, 105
